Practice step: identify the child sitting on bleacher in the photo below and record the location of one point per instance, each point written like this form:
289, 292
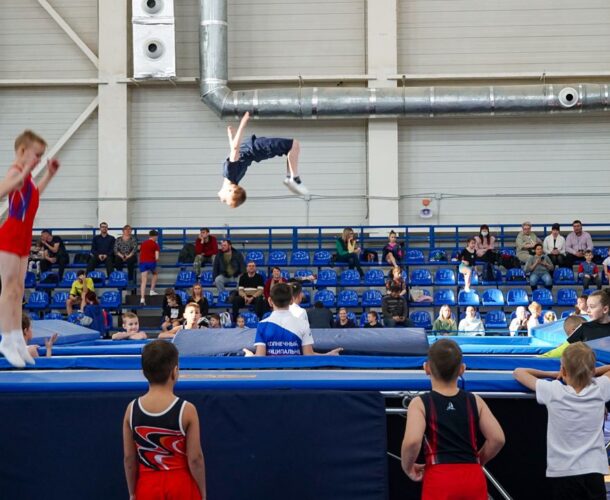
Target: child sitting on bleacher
94, 315
131, 325
373, 320
468, 257
26, 326
172, 312
576, 456
240, 322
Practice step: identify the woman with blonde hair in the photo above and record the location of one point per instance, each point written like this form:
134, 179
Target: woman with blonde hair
348, 250
445, 323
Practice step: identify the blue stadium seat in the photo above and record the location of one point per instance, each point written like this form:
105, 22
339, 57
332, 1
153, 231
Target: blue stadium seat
437, 255
495, 319
37, 301
349, 277
303, 273
306, 300
185, 279
48, 279
98, 277
493, 297
497, 278
470, 298
207, 278
278, 258
68, 279
600, 252
255, 256
516, 276
53, 315
327, 298
565, 314
111, 300
118, 279
321, 258
444, 296
59, 300
474, 279
421, 319
30, 280
414, 256
184, 297
327, 277
517, 297
223, 298
250, 318
371, 298
543, 296
564, 276
508, 251
347, 298
567, 297
444, 277
75, 317
285, 275
374, 277
421, 277
210, 297
352, 315
300, 258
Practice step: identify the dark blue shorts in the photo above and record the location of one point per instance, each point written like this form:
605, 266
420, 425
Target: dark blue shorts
148, 266
255, 149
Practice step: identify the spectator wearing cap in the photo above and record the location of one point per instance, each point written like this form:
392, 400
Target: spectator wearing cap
526, 241
102, 249
577, 243
554, 246
54, 252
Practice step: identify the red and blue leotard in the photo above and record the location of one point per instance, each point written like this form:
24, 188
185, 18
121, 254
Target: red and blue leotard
16, 232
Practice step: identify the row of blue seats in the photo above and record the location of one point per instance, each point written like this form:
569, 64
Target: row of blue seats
50, 279
494, 297
495, 319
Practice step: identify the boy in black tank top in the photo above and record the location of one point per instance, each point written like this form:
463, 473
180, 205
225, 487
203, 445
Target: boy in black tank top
447, 420
163, 457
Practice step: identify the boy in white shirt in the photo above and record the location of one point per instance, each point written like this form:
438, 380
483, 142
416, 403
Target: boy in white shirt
576, 456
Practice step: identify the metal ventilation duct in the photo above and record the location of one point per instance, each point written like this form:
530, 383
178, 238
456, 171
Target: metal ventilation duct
411, 102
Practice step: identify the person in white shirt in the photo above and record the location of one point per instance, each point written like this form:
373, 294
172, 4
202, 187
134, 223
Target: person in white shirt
554, 246
535, 310
471, 325
576, 456
518, 326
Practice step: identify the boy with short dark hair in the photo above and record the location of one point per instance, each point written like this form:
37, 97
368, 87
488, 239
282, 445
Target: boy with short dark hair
570, 325
448, 419
589, 272
149, 255
131, 327
161, 443
80, 287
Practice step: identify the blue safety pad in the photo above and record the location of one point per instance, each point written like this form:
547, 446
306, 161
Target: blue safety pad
601, 347
553, 333
69, 333
405, 341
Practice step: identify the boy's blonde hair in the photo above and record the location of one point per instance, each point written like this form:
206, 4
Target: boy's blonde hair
239, 196
578, 361
27, 138
535, 306
193, 305
129, 315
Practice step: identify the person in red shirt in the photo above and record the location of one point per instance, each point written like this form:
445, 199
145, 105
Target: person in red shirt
274, 279
206, 247
149, 255
16, 239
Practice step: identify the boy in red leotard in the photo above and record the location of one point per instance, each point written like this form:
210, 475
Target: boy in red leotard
16, 239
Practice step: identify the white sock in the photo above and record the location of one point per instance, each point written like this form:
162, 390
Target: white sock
9, 349
22, 347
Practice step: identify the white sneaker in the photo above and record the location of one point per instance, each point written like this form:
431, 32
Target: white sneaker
8, 348
296, 187
152, 292
142, 301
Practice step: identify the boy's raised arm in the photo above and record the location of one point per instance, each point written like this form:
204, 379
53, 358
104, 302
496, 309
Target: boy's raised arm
491, 430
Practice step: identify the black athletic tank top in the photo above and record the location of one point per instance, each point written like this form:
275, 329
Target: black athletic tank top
159, 437
452, 424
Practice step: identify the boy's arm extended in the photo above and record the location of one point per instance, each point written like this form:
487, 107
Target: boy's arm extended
529, 376
130, 462
411, 442
602, 370
491, 430
193, 447
308, 351
261, 350
235, 137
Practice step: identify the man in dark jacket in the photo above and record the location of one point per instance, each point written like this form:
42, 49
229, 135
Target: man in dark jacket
320, 316
102, 249
394, 309
228, 265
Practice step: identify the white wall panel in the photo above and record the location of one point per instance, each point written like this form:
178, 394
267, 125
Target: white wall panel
466, 36
280, 37
33, 46
506, 170
178, 147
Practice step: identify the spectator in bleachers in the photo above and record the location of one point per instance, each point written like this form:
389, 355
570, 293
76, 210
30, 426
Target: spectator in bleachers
274, 279
149, 256
580, 309
214, 321
131, 327
518, 326
554, 246
54, 252
80, 286
549, 317
102, 249
240, 322
468, 258
26, 326
577, 242
533, 321
606, 265
126, 252
393, 252
172, 312
526, 241
35, 257
471, 325
199, 298
539, 266
190, 320
372, 320
96, 313
395, 279
394, 307
228, 264
320, 316
348, 250
206, 248
250, 290
342, 320
485, 245
445, 324
589, 272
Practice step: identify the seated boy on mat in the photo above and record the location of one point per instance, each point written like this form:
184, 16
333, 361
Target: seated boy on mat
256, 149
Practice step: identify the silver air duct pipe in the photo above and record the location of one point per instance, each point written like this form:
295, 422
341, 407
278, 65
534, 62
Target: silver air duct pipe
411, 102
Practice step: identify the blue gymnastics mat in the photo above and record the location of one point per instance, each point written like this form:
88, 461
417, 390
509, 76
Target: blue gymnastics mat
69, 333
